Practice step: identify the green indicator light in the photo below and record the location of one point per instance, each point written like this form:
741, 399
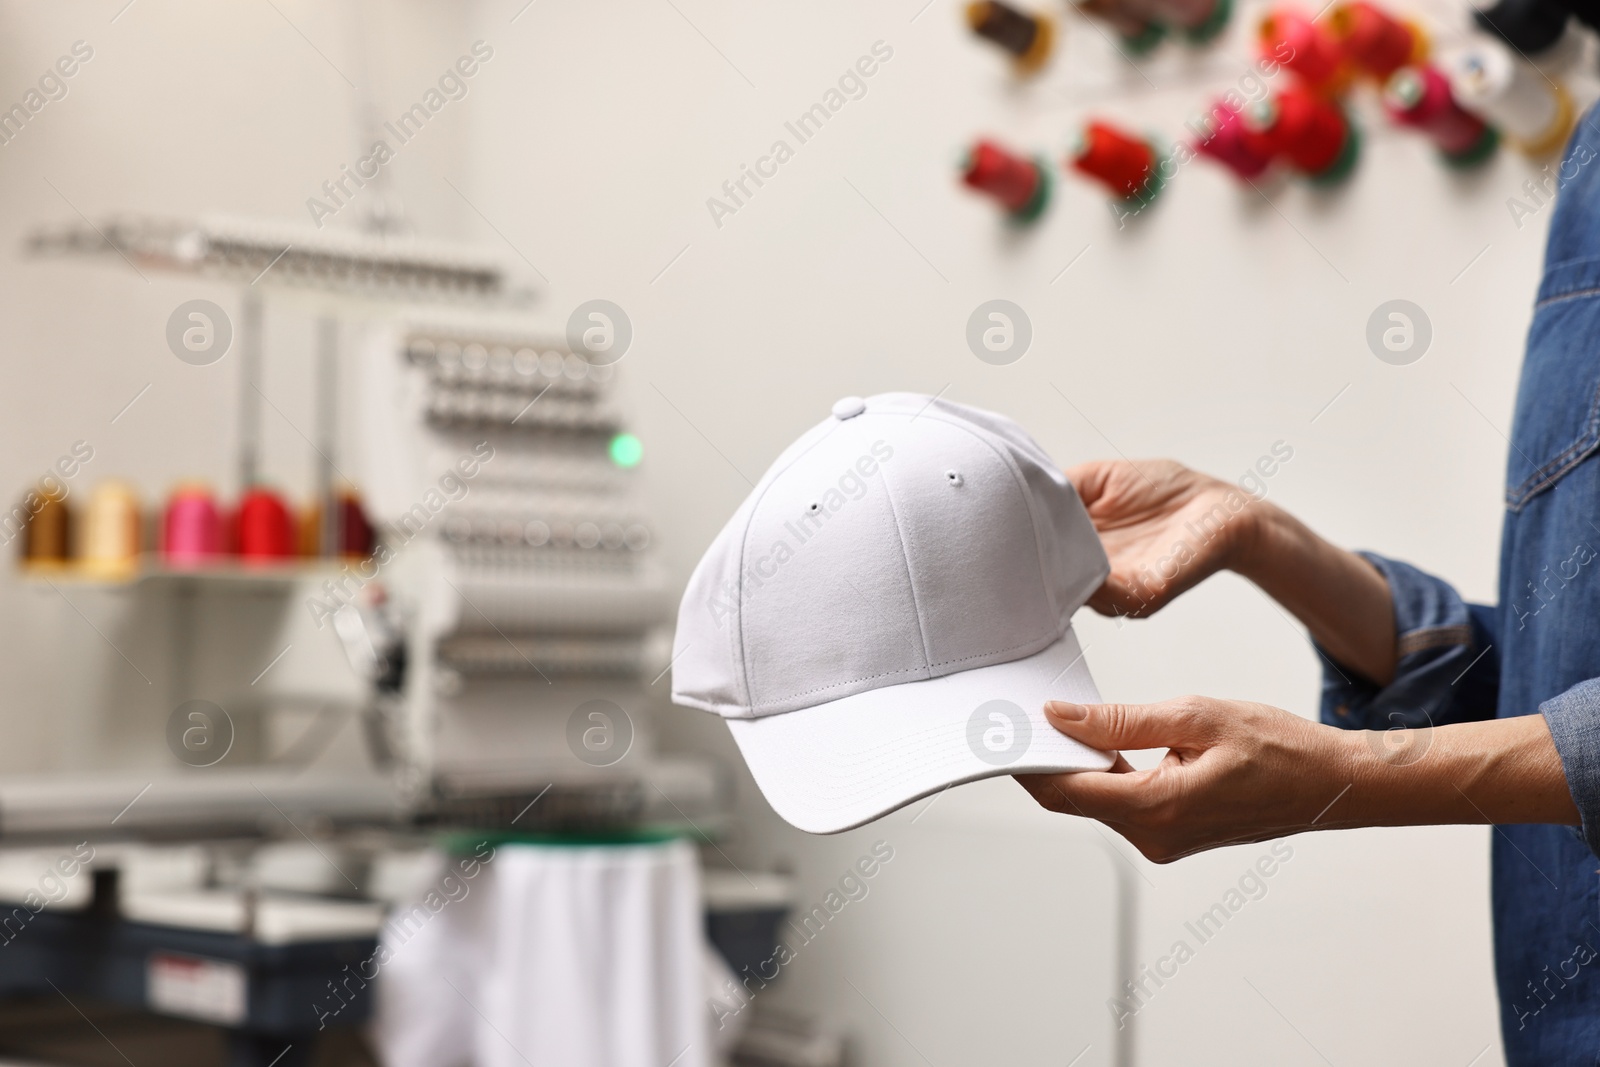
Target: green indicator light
626, 450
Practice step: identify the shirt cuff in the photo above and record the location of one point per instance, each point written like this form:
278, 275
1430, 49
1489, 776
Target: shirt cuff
1574, 721
1446, 667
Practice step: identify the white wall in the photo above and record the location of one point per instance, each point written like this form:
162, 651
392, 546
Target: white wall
183, 109
1207, 330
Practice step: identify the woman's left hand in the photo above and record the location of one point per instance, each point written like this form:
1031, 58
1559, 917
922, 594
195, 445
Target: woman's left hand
1233, 772
1237, 772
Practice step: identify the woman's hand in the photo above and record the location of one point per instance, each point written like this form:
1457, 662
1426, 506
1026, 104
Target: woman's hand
1233, 772
1237, 772
1165, 528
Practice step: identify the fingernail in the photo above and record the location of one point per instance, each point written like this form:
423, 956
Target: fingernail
1062, 710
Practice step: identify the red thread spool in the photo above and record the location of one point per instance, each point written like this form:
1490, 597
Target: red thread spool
1228, 144
265, 528
1290, 38
1020, 184
1123, 163
1374, 41
1307, 131
1420, 97
355, 532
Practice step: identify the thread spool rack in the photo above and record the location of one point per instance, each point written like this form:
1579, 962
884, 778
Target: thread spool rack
535, 592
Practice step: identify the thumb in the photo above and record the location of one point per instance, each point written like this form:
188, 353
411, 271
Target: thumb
1168, 724
1089, 479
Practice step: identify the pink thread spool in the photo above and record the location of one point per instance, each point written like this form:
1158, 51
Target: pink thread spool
1227, 143
191, 532
1420, 97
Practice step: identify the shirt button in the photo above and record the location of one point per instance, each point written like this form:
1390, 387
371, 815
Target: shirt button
849, 408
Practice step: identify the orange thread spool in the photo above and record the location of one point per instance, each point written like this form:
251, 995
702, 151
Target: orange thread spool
1377, 43
47, 538
1028, 38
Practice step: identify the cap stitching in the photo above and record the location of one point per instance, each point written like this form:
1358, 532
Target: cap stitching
768, 480
905, 559
1009, 461
1026, 490
908, 670
983, 436
979, 433
891, 766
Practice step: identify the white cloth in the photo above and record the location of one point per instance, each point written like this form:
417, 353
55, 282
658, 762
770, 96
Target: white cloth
428, 970
566, 956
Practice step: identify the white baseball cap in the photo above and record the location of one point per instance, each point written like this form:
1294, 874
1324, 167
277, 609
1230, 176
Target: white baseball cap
887, 613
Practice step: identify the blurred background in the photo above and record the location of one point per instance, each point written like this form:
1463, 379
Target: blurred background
380, 371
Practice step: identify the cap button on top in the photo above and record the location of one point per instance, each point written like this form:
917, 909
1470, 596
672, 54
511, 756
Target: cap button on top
849, 407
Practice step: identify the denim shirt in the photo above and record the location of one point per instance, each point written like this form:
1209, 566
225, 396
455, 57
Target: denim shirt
1538, 650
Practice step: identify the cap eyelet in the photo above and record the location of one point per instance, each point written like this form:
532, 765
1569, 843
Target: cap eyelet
813, 507
954, 478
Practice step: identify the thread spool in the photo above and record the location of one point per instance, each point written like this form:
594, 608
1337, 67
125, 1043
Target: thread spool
1290, 37
1309, 133
1021, 185
1534, 113
1028, 38
111, 531
1227, 142
355, 532
1533, 28
1121, 162
1199, 20
309, 531
265, 528
47, 535
1377, 43
1420, 97
191, 530
1139, 33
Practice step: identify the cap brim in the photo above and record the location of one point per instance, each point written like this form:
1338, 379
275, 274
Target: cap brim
834, 766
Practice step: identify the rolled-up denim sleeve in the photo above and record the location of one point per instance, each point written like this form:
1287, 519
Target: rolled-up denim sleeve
1574, 721
1448, 669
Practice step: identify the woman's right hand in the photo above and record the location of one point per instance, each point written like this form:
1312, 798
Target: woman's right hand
1166, 529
